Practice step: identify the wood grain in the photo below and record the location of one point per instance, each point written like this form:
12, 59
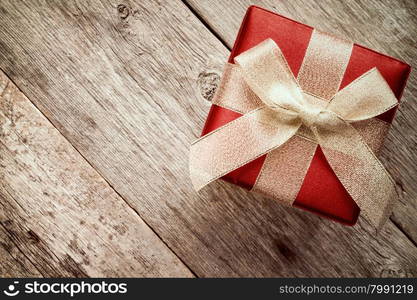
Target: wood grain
386, 26
58, 217
124, 83
13, 262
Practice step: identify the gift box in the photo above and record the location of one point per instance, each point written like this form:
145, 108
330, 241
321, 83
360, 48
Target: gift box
321, 191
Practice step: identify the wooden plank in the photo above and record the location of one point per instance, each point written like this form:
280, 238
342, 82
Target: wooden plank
58, 217
386, 26
123, 83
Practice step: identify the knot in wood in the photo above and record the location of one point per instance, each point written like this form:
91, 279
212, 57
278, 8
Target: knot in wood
208, 83
123, 11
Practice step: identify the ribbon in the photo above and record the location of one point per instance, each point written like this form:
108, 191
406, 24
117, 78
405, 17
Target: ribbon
277, 111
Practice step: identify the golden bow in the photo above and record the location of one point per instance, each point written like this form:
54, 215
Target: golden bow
285, 110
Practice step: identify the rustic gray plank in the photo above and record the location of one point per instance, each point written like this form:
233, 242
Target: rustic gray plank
386, 26
58, 217
123, 82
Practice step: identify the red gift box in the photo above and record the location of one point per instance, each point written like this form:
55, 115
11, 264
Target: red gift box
321, 191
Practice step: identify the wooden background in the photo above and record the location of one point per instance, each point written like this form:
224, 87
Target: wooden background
99, 103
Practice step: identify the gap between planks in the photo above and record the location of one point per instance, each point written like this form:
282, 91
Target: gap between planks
2, 226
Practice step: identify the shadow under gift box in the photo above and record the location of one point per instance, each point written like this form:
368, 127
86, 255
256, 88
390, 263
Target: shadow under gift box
321, 191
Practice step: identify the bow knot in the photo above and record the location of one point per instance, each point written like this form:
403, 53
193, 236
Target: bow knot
309, 115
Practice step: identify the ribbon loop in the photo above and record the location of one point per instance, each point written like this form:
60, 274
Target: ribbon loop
267, 73
366, 97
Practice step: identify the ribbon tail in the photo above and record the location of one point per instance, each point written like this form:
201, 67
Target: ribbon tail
357, 168
239, 142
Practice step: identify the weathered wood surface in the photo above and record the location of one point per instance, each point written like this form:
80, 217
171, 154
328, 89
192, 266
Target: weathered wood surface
387, 26
58, 217
13, 262
123, 82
